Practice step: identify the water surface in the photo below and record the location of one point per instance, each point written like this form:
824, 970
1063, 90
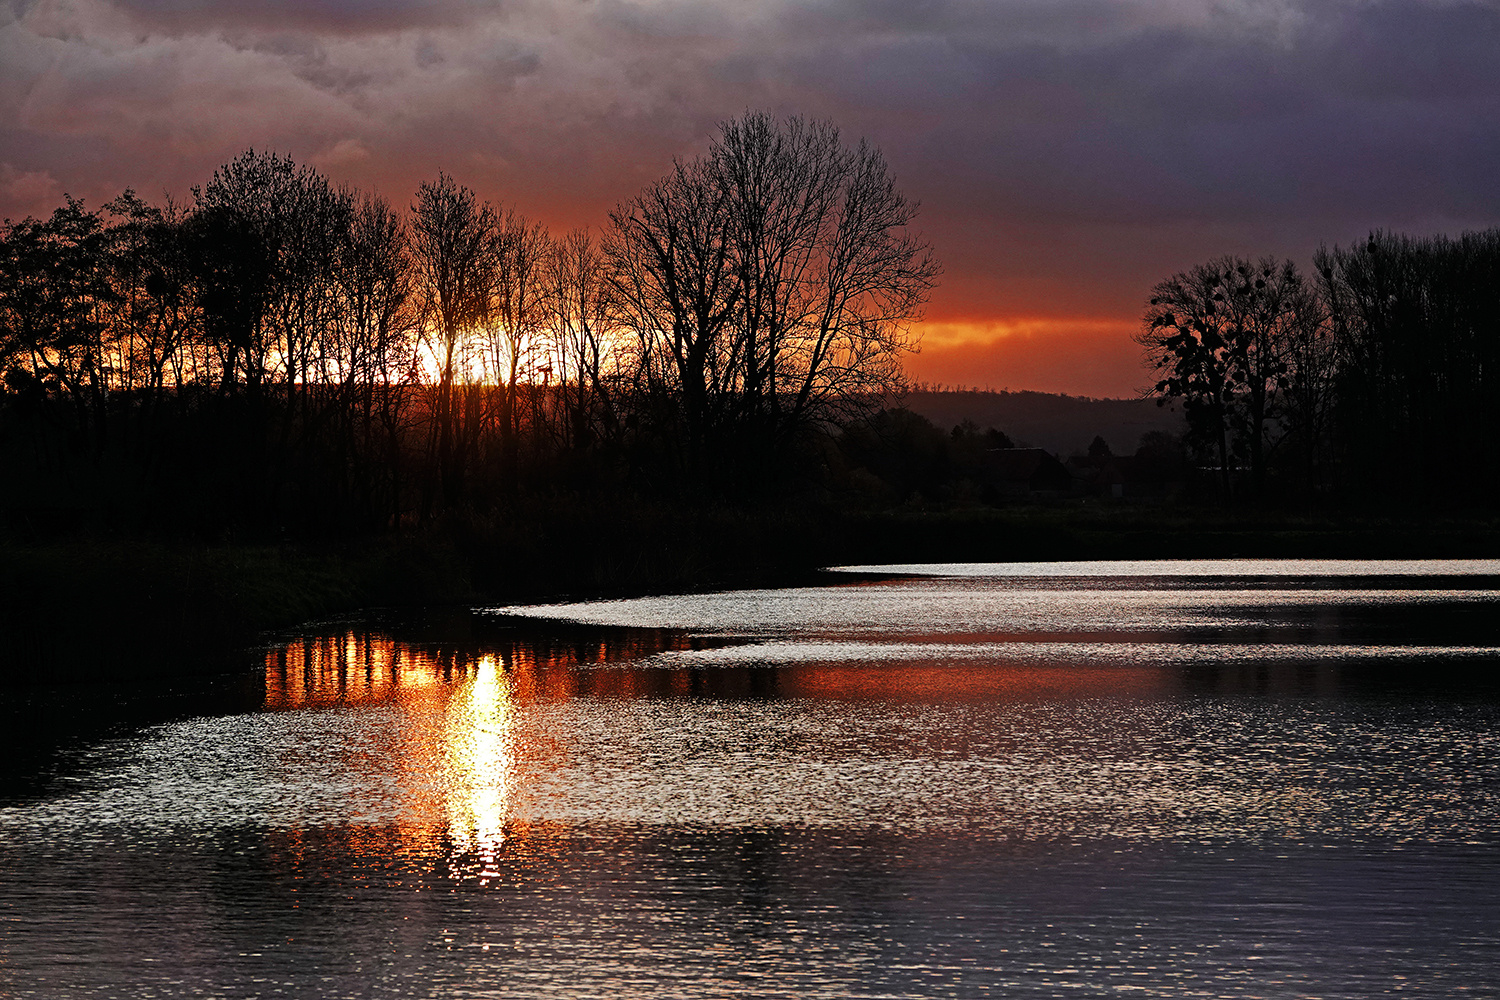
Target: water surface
1183, 779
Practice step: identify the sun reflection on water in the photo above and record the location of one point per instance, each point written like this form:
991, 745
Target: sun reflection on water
453, 758
447, 777
480, 735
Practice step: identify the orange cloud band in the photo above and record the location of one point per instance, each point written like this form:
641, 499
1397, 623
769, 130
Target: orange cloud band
1090, 356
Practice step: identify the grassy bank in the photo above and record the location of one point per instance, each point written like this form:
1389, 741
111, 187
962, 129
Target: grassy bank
88, 608
91, 608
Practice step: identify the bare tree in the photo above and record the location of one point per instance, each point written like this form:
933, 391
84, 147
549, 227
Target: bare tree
585, 346
56, 299
373, 347
453, 251
773, 282
669, 250
1415, 320
519, 305
324, 356
268, 231
830, 275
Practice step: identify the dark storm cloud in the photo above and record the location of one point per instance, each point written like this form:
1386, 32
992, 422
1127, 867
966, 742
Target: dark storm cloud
1373, 106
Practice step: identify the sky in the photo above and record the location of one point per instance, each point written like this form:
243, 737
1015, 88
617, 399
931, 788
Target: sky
1067, 154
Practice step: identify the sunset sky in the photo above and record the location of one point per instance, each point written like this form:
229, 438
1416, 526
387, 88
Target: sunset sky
1068, 154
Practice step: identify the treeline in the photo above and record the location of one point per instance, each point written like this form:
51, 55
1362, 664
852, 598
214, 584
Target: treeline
281, 351
1377, 379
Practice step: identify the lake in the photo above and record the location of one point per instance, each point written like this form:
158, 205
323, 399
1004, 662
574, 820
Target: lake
1181, 779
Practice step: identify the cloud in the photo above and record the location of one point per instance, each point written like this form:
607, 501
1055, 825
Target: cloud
343, 17
948, 334
30, 193
341, 156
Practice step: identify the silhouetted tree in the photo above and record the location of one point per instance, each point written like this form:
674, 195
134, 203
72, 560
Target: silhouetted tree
1417, 330
669, 254
771, 283
830, 276
585, 350
518, 315
453, 249
55, 303
285, 353
1221, 338
267, 231
372, 353
902, 451
1099, 453
995, 439
1160, 458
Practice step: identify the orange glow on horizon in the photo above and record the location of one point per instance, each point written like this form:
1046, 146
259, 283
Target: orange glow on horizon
1077, 355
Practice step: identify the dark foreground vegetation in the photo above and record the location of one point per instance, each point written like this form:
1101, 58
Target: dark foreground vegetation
285, 400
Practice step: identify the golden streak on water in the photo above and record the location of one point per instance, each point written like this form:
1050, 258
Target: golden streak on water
454, 756
454, 765
481, 745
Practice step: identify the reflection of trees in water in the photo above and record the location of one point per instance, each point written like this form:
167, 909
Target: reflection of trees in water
364, 666
1436, 676
556, 661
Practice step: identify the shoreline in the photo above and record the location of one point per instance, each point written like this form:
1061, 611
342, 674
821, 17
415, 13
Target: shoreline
89, 609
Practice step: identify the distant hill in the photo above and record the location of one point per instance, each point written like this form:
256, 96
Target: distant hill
1061, 424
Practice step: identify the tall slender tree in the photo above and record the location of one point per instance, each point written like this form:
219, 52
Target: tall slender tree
453, 246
